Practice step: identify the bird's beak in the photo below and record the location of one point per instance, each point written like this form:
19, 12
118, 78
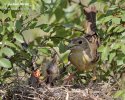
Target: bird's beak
71, 45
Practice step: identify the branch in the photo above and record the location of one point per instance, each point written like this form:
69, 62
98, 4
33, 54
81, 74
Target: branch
90, 13
23, 68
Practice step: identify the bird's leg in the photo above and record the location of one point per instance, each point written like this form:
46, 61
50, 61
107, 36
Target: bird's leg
94, 74
93, 78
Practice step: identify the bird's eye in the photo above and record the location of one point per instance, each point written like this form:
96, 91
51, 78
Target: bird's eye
80, 42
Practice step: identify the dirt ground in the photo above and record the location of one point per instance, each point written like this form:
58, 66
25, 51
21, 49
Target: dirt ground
98, 91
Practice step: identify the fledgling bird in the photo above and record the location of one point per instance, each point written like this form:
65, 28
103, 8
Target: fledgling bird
34, 79
52, 70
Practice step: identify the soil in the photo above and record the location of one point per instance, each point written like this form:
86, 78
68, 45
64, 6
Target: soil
98, 91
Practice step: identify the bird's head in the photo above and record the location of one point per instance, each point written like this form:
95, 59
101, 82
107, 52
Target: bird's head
36, 73
78, 43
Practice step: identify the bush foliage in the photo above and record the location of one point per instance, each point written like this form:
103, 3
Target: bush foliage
31, 28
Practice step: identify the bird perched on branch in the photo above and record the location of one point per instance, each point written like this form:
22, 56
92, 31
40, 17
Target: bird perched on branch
84, 53
52, 70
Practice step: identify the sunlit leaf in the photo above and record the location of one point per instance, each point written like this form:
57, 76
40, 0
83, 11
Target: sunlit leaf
123, 17
106, 19
113, 7
115, 46
64, 56
18, 37
120, 62
111, 56
8, 43
44, 50
123, 48
105, 52
110, 28
7, 51
5, 63
116, 20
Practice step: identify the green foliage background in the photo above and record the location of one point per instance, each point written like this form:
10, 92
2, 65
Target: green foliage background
46, 24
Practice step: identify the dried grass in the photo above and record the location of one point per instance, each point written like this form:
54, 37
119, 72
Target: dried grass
44, 92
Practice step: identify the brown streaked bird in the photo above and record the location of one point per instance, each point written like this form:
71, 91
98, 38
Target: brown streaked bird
52, 70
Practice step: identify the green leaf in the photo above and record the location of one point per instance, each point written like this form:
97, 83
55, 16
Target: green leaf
120, 62
100, 49
111, 56
123, 17
1, 29
61, 32
106, 19
121, 28
105, 53
7, 51
44, 51
119, 93
8, 43
18, 37
64, 56
123, 96
116, 20
115, 46
13, 13
62, 47
110, 28
123, 48
7, 74
33, 24
5, 63
18, 25
113, 7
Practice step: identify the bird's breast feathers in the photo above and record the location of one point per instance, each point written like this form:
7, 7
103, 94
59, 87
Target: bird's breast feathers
81, 60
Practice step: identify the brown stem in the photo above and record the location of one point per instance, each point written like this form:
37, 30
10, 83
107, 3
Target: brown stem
90, 13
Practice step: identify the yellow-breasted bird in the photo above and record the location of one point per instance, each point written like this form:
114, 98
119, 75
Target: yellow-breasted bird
84, 53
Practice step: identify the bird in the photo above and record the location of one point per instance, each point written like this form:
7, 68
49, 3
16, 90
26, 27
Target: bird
52, 70
34, 79
83, 53
83, 50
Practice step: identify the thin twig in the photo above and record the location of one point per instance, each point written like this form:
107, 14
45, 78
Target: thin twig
26, 97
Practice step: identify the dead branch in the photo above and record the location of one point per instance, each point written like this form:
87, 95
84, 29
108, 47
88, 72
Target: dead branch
90, 13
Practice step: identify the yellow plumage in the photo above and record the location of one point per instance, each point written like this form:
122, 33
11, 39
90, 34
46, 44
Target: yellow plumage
79, 60
83, 53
